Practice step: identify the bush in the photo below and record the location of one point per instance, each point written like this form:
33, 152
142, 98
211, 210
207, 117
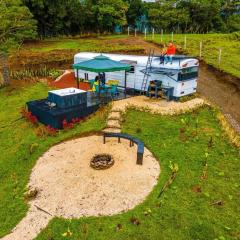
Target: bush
43, 131
54, 74
29, 116
233, 23
35, 73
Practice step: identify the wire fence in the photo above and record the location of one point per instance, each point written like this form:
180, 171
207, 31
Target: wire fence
215, 49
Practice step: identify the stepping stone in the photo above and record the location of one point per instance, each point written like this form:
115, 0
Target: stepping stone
113, 124
116, 110
114, 115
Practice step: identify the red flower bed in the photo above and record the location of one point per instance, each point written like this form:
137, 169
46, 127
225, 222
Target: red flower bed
51, 131
48, 130
29, 116
70, 125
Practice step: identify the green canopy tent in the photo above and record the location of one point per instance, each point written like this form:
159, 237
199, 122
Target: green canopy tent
102, 64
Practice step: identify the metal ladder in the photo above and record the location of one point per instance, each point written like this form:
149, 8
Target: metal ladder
147, 71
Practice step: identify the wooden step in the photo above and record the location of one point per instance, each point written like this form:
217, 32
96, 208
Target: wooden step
113, 124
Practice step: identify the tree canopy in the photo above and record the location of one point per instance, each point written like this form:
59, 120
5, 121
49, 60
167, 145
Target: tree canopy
16, 25
75, 16
20, 19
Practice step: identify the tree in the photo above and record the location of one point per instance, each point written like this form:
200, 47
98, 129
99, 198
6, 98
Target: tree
233, 23
167, 15
49, 14
16, 24
111, 13
135, 11
203, 14
230, 7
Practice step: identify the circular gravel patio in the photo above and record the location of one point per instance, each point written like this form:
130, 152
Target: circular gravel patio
69, 187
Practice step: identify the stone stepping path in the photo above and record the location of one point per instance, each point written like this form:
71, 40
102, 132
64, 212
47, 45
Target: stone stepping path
114, 116
113, 123
141, 102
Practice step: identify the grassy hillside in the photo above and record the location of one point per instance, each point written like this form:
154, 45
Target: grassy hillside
59, 52
229, 43
186, 210
96, 44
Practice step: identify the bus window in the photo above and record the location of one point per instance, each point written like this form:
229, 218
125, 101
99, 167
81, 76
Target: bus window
132, 69
131, 63
188, 73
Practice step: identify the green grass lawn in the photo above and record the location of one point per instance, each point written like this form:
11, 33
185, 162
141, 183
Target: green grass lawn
229, 43
180, 213
16, 161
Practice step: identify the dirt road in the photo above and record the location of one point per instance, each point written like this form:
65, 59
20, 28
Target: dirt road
219, 88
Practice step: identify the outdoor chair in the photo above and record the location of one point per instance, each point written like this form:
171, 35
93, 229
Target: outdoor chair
91, 81
113, 82
114, 90
114, 87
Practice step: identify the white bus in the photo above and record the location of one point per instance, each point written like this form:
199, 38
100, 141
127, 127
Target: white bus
181, 74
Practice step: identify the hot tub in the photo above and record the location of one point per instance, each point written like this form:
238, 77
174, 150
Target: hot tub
68, 97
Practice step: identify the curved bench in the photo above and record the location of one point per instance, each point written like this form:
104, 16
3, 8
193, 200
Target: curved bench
140, 144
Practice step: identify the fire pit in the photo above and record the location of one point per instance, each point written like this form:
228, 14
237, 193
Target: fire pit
102, 161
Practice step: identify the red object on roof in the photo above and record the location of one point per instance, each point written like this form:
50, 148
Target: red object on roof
68, 80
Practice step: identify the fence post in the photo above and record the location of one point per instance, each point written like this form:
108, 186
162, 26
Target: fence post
185, 42
153, 33
128, 31
145, 33
172, 36
220, 57
135, 32
161, 35
200, 50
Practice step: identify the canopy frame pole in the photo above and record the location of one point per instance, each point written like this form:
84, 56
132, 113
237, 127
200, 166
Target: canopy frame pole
125, 83
77, 79
99, 86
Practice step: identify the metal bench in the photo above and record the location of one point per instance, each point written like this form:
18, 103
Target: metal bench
140, 144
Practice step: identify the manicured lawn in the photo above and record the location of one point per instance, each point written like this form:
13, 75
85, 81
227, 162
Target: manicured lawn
186, 211
16, 161
229, 43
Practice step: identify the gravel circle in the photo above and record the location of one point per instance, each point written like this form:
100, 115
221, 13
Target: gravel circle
68, 187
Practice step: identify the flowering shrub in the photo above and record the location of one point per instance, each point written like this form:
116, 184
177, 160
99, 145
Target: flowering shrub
51, 131
76, 120
67, 125
29, 116
43, 131
70, 125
